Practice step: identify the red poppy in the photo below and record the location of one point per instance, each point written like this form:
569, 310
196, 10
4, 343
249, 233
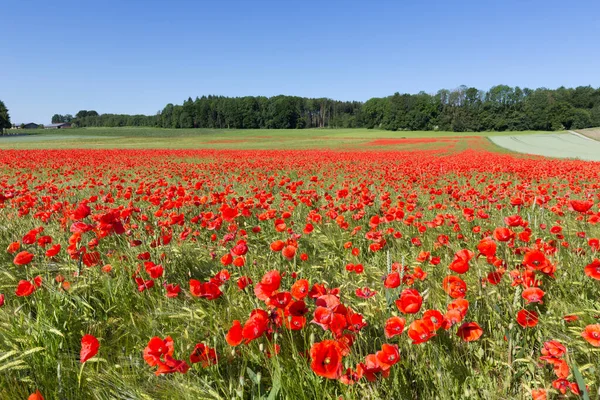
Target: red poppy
554, 348
155, 271
593, 269
388, 356
394, 326
469, 331
581, 206
454, 286
409, 302
243, 282
204, 355
420, 331
234, 336
1, 299
23, 258
52, 251
533, 295
255, 326
13, 247
535, 259
326, 359
289, 252
268, 285
277, 245
591, 334
487, 247
299, 289
173, 290
25, 288
36, 396
539, 394
503, 234
527, 319
89, 348
435, 317
156, 349
392, 280
365, 293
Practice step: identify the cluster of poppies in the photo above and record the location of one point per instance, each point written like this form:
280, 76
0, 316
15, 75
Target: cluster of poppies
320, 245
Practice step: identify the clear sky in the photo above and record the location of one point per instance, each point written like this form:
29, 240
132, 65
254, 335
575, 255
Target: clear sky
135, 56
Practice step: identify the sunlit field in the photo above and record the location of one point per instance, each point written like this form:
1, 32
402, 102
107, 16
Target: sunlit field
392, 266
152, 138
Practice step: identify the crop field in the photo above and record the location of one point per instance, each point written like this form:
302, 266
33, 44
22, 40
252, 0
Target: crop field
152, 138
367, 266
552, 145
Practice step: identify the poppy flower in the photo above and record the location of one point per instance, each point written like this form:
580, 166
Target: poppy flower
173, 290
420, 331
23, 258
554, 348
289, 252
388, 356
487, 247
326, 359
1, 299
255, 326
409, 302
392, 280
533, 295
243, 282
268, 285
469, 331
435, 317
593, 269
527, 319
581, 206
155, 271
299, 289
535, 259
206, 290
394, 326
158, 348
89, 348
365, 293
277, 245
591, 334
570, 318
454, 286
25, 288
234, 336
204, 355
13, 247
539, 394
53, 251
36, 396
503, 234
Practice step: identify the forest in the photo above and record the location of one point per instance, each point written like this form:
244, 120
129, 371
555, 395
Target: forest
501, 108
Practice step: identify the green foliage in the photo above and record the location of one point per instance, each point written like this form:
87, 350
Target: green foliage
465, 109
4, 117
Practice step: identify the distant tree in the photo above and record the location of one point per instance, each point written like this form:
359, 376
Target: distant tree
4, 118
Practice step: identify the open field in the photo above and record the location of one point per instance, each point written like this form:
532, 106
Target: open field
433, 272
552, 145
351, 139
593, 133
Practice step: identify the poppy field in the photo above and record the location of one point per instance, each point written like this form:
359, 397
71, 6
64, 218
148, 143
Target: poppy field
438, 273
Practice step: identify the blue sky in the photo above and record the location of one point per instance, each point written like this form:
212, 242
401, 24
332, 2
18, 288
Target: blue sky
133, 56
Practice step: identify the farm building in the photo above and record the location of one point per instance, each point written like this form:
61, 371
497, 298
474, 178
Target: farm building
30, 125
62, 125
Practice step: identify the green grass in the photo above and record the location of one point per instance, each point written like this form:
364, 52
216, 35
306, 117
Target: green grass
104, 138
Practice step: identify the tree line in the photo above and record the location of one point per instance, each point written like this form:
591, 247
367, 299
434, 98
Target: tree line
502, 108
4, 118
